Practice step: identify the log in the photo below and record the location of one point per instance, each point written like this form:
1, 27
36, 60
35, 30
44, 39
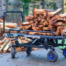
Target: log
59, 24
33, 33
52, 14
36, 29
1, 20
3, 41
45, 23
45, 12
24, 23
1, 32
26, 27
42, 19
52, 27
46, 29
40, 26
10, 25
7, 47
57, 31
3, 46
63, 15
6, 28
34, 24
41, 22
62, 30
56, 12
55, 19
24, 38
29, 17
39, 11
31, 22
35, 19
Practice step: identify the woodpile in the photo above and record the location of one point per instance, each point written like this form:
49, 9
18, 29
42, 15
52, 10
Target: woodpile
44, 20
5, 43
7, 26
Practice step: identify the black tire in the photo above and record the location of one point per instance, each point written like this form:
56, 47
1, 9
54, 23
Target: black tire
64, 53
54, 56
13, 52
28, 51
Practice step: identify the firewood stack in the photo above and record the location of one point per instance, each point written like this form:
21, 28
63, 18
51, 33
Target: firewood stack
5, 43
44, 20
7, 26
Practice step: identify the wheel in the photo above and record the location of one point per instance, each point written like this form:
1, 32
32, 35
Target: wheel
52, 56
64, 52
13, 52
28, 51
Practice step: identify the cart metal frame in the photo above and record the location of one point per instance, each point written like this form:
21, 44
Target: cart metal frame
39, 41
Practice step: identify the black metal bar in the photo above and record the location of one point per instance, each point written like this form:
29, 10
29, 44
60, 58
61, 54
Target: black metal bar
32, 31
5, 14
43, 4
64, 33
46, 43
4, 23
23, 14
22, 45
33, 36
11, 35
37, 46
13, 11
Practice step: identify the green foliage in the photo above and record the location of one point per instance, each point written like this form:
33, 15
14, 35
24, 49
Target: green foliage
26, 6
26, 1
7, 0
53, 5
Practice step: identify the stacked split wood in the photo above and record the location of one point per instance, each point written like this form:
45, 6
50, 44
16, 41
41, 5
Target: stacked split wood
44, 20
5, 43
7, 26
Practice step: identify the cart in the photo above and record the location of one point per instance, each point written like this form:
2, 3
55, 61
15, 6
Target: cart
38, 41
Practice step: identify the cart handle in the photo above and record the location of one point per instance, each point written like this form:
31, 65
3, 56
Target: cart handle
5, 14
